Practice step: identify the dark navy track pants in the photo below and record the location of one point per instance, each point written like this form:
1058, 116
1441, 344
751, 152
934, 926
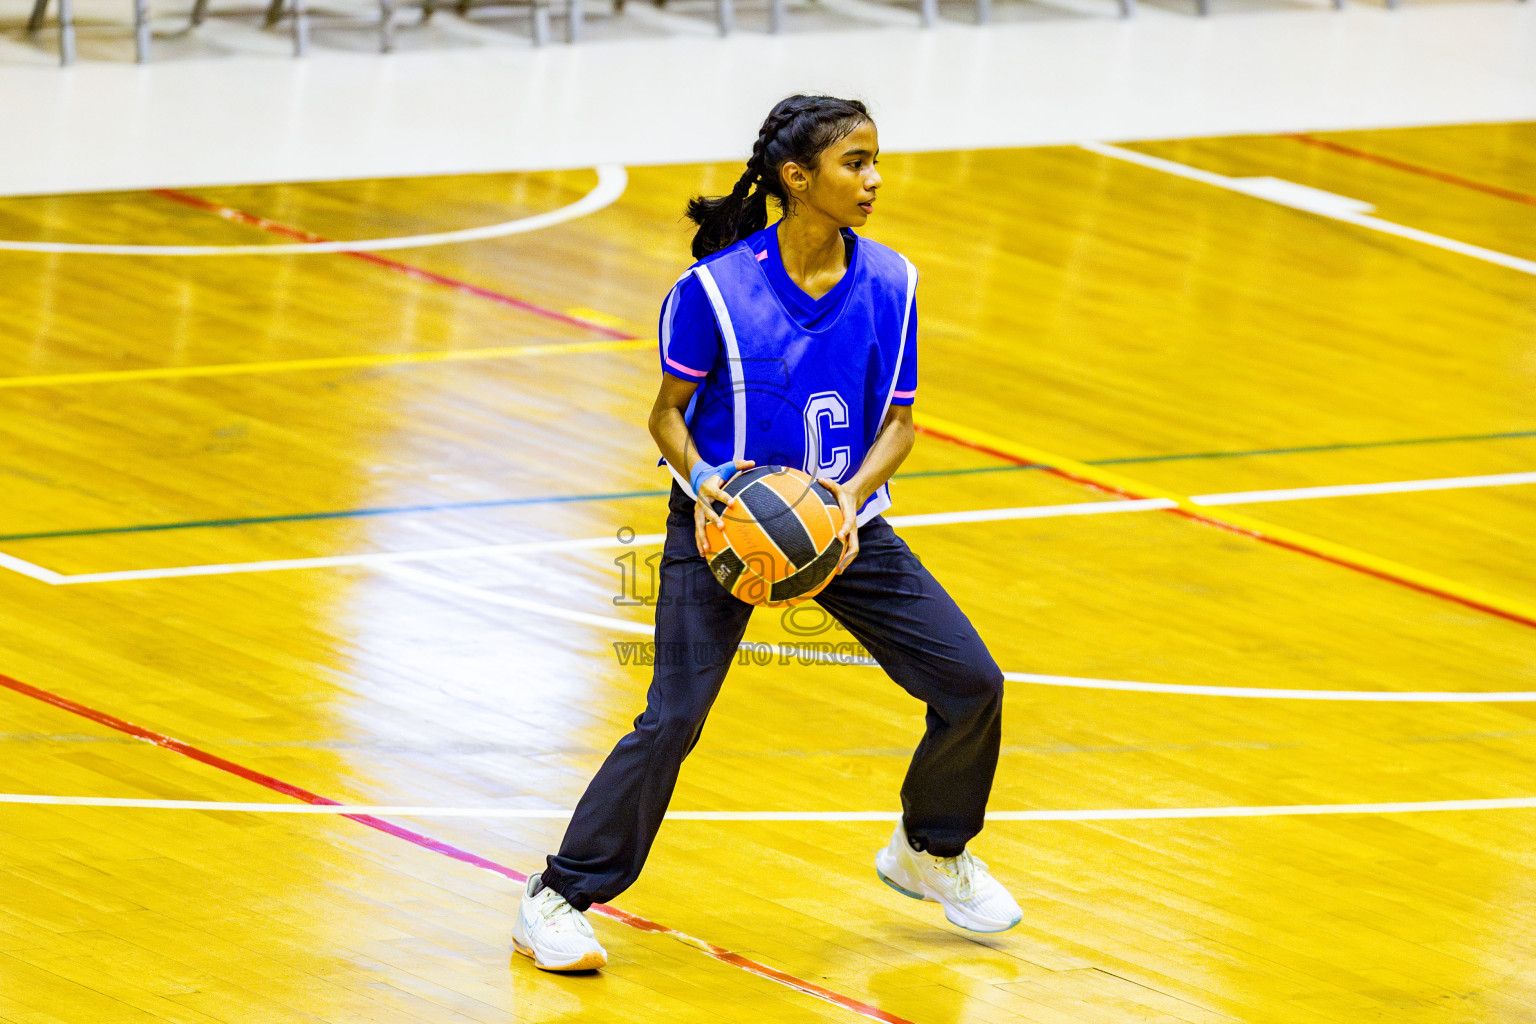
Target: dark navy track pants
891, 604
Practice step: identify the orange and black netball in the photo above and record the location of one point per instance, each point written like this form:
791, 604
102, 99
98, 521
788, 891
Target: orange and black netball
779, 546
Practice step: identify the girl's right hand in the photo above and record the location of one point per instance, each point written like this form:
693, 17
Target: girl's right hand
712, 489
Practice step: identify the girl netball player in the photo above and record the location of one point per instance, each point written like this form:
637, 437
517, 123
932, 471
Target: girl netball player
791, 345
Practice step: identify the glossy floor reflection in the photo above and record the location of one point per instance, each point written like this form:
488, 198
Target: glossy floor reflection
1183, 336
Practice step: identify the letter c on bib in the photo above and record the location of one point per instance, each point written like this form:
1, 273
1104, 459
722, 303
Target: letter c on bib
825, 406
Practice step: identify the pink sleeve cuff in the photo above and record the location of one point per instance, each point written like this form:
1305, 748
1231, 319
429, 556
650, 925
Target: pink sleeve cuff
680, 368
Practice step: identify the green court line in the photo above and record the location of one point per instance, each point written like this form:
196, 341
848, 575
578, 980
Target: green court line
618, 495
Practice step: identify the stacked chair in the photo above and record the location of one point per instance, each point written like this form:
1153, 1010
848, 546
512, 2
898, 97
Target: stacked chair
298, 16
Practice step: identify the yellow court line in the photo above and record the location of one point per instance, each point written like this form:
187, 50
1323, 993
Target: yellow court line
1385, 568
324, 363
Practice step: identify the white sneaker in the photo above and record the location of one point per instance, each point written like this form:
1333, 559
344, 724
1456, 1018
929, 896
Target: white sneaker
970, 896
554, 933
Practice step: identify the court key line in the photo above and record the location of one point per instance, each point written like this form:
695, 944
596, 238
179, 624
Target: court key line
388, 563
621, 340
612, 179
635, 921
319, 243
786, 653
835, 817
625, 344
1310, 200
925, 423
1280, 536
560, 499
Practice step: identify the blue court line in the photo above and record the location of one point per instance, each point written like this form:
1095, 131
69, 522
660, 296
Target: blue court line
458, 506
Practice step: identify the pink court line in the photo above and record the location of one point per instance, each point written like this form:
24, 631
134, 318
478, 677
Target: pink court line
709, 949
241, 217
1231, 528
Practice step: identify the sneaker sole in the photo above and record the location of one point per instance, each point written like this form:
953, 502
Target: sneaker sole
904, 891
980, 931
587, 961
929, 899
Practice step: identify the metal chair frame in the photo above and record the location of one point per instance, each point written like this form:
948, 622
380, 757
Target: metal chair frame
141, 36
1203, 7
725, 18
540, 15
274, 14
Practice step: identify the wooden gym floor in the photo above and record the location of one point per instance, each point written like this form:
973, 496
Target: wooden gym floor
278, 422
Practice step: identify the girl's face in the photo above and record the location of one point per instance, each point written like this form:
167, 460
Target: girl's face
842, 185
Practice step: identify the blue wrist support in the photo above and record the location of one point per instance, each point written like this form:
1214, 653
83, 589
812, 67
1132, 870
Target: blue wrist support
703, 471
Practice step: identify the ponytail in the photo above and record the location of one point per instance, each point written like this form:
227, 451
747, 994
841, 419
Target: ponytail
725, 220
797, 130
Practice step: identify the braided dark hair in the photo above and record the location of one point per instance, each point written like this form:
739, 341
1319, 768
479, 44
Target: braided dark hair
797, 129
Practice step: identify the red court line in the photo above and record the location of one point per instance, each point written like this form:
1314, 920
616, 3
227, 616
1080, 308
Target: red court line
1231, 528
241, 217
1412, 168
709, 949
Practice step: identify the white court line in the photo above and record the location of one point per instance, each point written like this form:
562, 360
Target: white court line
1086, 508
1351, 490
561, 814
1385, 696
36, 572
388, 563
612, 179
788, 652
926, 519
378, 558
387, 558
1302, 197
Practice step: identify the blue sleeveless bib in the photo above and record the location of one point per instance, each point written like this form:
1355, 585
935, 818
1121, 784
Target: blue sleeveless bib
789, 396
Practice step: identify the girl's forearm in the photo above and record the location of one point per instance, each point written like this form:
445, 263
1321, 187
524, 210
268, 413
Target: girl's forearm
892, 446
671, 433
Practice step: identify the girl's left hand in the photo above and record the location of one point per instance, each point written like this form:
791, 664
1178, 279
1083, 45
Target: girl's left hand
848, 501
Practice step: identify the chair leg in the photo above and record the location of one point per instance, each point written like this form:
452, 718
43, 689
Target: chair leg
776, 17
386, 26
141, 36
573, 21
300, 29
199, 11
1127, 8
39, 12
983, 11
428, 8
725, 12
540, 23
1203, 7
274, 14
66, 32
462, 7
930, 12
